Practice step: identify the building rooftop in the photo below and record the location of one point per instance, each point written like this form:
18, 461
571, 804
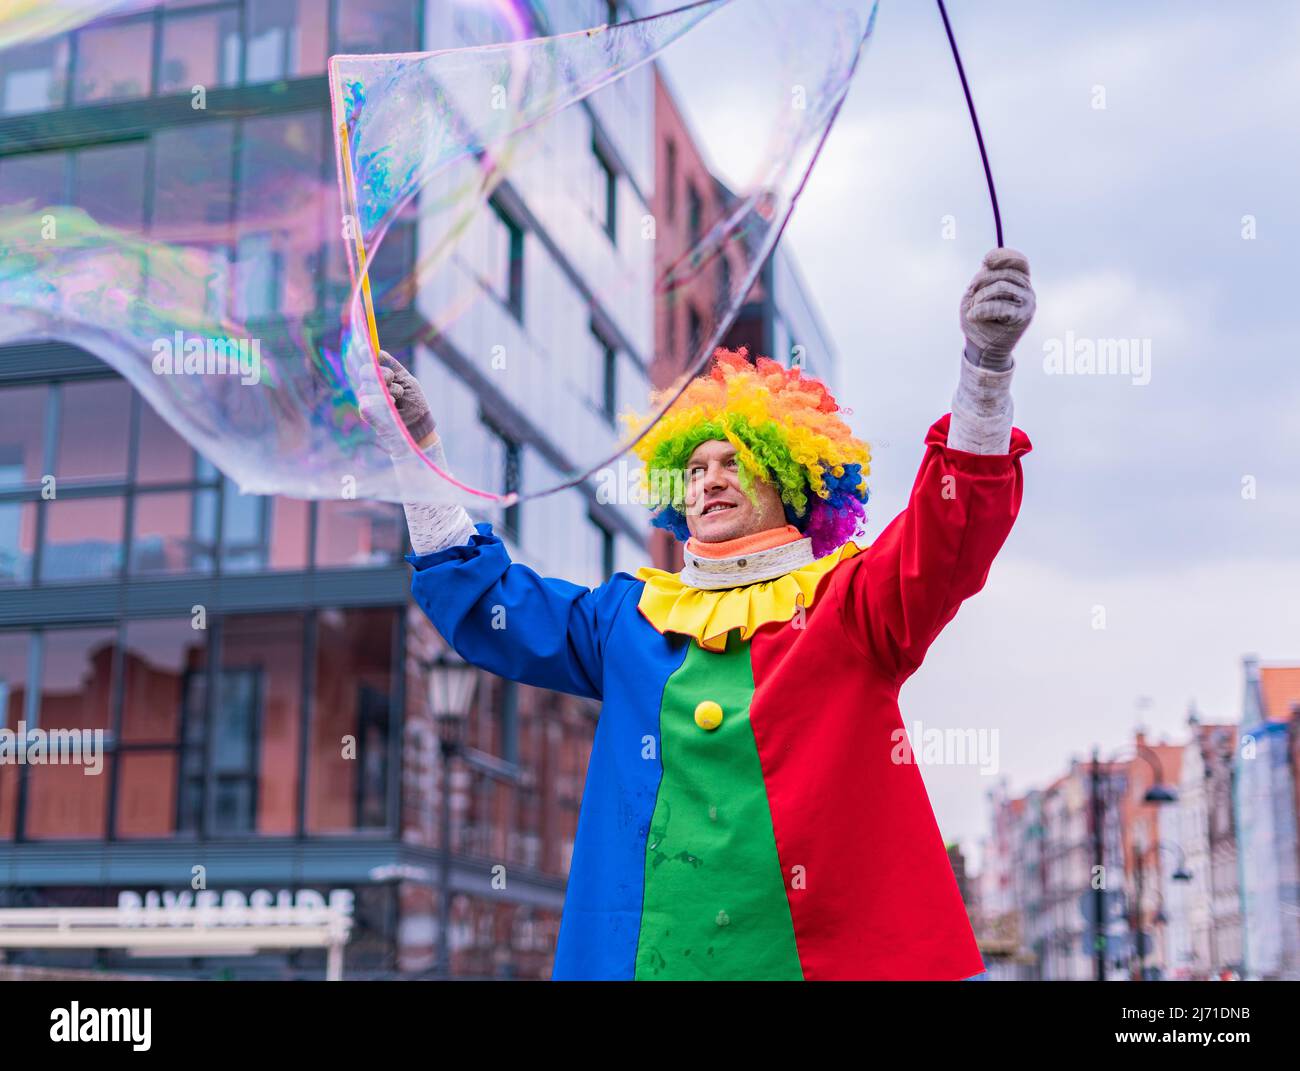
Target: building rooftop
1279, 690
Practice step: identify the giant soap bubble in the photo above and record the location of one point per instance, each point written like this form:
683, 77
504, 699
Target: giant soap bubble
456, 173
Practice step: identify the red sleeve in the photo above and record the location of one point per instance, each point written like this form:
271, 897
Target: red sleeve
907, 585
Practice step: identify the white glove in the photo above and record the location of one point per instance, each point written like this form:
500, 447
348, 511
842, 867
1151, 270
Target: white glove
996, 309
433, 525
412, 406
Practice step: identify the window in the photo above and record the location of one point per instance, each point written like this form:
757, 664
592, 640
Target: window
258, 274
173, 533
508, 716
195, 186
506, 260
108, 182
670, 180
180, 766
233, 745
159, 655
272, 26
275, 152
173, 498
238, 771
604, 546
22, 430
83, 539
376, 26
286, 39
17, 543
33, 181
33, 77
697, 332
94, 426
65, 801
200, 49
391, 267
606, 193
254, 764
244, 522
113, 61
354, 532
162, 456
348, 787
511, 461
290, 523
607, 375
694, 213
14, 655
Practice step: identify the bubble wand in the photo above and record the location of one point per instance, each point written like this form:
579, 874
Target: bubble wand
350, 190
355, 226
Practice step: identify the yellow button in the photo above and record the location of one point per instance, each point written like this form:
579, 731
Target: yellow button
708, 715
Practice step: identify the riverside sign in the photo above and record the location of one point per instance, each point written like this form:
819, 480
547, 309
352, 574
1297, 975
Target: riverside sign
151, 908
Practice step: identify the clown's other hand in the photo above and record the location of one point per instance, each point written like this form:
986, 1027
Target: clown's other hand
996, 308
412, 407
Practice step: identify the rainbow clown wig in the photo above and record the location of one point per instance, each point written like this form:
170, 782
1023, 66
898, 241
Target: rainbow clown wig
786, 430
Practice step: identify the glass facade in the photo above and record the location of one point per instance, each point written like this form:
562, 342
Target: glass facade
287, 721
181, 761
95, 486
175, 47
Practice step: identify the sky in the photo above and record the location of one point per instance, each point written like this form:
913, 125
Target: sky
1134, 148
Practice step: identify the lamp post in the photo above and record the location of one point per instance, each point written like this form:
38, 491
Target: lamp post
1180, 874
1158, 793
452, 682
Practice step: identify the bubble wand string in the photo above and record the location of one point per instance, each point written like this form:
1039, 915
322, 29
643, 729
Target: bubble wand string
975, 120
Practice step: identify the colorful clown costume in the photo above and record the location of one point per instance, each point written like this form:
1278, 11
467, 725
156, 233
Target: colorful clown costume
747, 814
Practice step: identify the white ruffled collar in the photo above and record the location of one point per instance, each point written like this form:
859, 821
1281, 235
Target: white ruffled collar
751, 568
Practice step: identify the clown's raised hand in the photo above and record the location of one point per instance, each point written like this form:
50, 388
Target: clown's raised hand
996, 308
433, 525
407, 397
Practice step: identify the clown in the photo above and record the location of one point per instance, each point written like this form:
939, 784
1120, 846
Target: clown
746, 815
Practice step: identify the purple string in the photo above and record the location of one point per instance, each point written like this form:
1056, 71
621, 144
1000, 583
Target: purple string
975, 119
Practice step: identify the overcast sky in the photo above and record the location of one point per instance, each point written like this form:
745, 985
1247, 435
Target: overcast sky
1133, 146
1131, 214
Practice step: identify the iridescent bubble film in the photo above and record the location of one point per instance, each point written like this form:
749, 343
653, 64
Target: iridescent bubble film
237, 303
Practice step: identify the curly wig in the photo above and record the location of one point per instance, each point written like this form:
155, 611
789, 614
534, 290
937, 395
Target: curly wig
787, 431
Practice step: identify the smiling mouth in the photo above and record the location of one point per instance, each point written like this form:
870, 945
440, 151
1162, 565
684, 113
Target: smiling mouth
717, 507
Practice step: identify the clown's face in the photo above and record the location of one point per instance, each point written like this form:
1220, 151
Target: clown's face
716, 506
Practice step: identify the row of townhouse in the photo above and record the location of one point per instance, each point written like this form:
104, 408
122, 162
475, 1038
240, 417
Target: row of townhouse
1162, 861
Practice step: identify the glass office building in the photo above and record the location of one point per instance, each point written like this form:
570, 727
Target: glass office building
226, 643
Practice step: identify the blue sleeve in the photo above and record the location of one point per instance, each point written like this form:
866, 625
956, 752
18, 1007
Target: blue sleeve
503, 617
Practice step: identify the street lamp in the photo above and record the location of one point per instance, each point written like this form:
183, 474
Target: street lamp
1158, 793
1180, 871
452, 681
451, 692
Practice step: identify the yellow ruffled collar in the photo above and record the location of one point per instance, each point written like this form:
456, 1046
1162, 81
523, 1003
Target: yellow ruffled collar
671, 606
